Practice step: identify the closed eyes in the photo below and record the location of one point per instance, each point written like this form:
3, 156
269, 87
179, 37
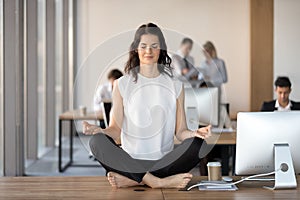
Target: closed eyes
152, 46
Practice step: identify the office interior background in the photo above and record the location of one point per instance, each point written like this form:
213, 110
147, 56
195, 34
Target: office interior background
45, 44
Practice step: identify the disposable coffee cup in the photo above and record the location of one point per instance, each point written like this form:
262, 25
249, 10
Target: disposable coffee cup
214, 171
82, 110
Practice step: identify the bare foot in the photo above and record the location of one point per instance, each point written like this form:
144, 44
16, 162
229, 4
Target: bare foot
118, 181
175, 181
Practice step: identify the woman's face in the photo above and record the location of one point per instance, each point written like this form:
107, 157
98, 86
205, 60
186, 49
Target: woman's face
207, 54
148, 49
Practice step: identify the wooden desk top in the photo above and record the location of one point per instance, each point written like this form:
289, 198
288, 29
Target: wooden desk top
225, 138
98, 188
75, 115
247, 190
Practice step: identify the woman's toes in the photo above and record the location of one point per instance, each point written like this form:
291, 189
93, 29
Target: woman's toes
188, 175
109, 174
111, 179
113, 184
117, 180
185, 182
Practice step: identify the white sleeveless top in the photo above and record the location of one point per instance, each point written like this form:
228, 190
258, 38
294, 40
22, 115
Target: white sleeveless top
149, 115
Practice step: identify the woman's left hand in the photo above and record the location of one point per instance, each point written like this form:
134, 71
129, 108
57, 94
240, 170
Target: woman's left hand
204, 132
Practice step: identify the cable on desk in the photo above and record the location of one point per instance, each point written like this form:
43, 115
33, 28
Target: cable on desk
249, 178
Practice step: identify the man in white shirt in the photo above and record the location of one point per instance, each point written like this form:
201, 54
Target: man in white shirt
282, 103
104, 92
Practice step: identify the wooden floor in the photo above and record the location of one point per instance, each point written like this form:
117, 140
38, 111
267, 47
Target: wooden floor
98, 188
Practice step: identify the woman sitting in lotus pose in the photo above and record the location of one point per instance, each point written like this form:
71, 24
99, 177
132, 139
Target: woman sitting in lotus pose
148, 109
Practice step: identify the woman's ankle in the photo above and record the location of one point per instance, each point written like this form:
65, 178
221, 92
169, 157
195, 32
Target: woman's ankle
152, 181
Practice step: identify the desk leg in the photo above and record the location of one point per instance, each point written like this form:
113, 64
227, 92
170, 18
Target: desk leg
233, 151
60, 145
71, 140
60, 167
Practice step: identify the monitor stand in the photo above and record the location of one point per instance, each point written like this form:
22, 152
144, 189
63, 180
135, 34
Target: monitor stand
285, 175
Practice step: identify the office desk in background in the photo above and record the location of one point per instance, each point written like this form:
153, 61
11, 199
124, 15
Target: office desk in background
222, 138
71, 117
225, 138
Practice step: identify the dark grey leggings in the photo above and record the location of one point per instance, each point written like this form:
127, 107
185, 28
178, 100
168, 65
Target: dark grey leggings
114, 159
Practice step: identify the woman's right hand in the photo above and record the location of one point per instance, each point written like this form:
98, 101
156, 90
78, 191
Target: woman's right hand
90, 129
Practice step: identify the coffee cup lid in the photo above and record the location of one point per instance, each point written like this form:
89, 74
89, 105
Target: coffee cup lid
214, 164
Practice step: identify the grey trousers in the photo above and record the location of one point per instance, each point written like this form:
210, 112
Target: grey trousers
114, 159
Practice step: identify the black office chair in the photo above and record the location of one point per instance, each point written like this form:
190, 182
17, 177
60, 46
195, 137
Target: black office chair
106, 107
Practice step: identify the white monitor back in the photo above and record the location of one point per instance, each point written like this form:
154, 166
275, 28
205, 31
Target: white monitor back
257, 132
202, 105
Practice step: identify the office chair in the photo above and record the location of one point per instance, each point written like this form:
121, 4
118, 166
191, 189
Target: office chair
106, 107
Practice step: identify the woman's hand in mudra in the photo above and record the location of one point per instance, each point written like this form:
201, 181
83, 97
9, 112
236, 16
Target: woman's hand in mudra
90, 129
204, 132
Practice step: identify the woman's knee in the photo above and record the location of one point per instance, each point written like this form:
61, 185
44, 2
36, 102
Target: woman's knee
96, 140
196, 144
194, 141
198, 141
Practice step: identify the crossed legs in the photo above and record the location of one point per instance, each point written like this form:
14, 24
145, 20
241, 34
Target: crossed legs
171, 171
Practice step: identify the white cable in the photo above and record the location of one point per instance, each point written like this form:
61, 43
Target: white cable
234, 183
261, 179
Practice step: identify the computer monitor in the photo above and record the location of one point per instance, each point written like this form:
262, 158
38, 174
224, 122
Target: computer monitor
202, 105
264, 140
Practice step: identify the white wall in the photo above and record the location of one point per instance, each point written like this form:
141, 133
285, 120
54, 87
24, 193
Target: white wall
287, 42
105, 25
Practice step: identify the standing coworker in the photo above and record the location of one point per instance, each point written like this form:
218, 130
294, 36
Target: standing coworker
183, 63
214, 71
213, 68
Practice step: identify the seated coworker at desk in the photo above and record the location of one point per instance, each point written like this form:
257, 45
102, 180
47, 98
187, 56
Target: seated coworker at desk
148, 110
104, 92
282, 103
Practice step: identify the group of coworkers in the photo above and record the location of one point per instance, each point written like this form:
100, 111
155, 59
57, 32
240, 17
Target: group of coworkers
212, 72
148, 110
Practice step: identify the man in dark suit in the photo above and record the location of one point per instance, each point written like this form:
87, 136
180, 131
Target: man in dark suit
282, 103
183, 62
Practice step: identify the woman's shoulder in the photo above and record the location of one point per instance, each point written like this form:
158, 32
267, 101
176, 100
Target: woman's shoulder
123, 83
175, 82
219, 60
178, 86
124, 79
170, 77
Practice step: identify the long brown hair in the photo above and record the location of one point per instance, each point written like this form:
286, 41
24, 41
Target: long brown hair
210, 48
164, 60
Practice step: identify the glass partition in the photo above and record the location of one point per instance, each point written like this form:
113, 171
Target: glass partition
1, 87
41, 77
59, 61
